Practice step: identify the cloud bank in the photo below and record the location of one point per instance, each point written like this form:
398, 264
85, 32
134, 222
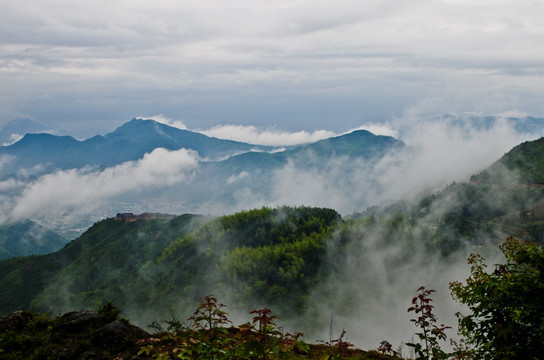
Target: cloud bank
271, 137
440, 150
83, 66
84, 191
274, 137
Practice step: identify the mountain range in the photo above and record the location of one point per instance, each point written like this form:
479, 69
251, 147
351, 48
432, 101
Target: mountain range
129, 142
39, 153
132, 140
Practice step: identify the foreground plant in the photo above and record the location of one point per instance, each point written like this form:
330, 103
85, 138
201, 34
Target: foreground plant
263, 339
428, 347
209, 319
386, 348
507, 307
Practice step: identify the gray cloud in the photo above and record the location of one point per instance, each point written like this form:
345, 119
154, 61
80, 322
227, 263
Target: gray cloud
86, 67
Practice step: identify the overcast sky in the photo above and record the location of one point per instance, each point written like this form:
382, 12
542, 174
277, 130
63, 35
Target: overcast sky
88, 66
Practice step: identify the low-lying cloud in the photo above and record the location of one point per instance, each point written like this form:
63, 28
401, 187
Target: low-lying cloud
275, 137
166, 121
255, 135
270, 137
86, 190
440, 150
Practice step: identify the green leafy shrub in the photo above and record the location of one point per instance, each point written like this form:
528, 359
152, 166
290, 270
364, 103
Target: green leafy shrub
108, 312
507, 311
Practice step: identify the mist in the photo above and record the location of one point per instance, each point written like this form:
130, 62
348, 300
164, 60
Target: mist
440, 150
66, 194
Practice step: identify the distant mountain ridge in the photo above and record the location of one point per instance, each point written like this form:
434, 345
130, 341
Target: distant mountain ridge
359, 144
25, 238
45, 153
128, 142
15, 129
135, 138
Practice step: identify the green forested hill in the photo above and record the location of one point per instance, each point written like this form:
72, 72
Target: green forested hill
268, 256
526, 161
263, 254
265, 257
25, 237
504, 200
90, 267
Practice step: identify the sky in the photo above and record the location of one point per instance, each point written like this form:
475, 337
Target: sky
86, 67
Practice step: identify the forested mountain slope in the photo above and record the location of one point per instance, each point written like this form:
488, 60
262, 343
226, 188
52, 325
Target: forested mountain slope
152, 263
98, 262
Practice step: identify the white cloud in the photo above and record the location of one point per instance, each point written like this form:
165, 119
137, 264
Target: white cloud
234, 178
164, 120
252, 134
10, 185
377, 129
343, 185
5, 160
272, 137
447, 148
85, 190
13, 138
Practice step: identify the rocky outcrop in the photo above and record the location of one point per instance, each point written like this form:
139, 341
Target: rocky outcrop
75, 335
15, 321
129, 217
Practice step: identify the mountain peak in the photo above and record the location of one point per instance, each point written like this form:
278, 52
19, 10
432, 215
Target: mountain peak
15, 129
358, 143
44, 139
137, 127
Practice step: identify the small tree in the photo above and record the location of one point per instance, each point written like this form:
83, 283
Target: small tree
263, 339
507, 305
209, 319
431, 334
